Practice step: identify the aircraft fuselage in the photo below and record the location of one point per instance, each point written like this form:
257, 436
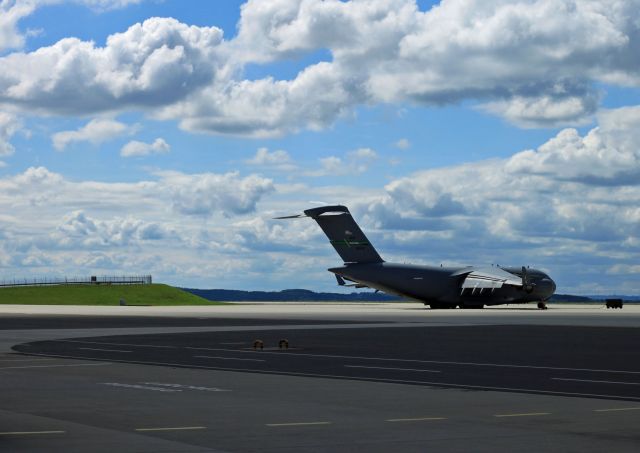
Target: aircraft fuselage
441, 286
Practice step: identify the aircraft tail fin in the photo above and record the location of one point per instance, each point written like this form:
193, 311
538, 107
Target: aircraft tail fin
345, 234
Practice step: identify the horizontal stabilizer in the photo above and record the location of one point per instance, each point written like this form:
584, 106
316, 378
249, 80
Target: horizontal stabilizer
298, 216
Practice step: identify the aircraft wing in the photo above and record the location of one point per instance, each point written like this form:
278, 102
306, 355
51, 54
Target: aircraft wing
492, 278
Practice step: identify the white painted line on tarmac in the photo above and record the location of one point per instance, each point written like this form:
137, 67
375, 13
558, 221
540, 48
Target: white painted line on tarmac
360, 378
234, 342
275, 425
528, 414
418, 419
389, 368
172, 428
116, 344
227, 358
140, 387
25, 433
618, 409
187, 387
26, 360
104, 350
387, 359
595, 381
52, 366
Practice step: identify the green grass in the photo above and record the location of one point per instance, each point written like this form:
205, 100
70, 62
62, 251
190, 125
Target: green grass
155, 294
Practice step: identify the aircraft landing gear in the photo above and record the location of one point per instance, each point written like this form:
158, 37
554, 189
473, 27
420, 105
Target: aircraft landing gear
542, 306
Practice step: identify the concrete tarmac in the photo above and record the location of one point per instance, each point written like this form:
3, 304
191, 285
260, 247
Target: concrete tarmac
374, 377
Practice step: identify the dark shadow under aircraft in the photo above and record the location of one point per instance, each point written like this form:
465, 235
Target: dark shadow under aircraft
438, 287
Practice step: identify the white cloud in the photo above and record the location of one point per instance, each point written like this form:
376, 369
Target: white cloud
403, 143
209, 193
52, 225
10, 14
9, 125
278, 159
268, 107
153, 63
355, 162
95, 132
137, 148
12, 11
77, 227
535, 63
106, 5
607, 155
570, 206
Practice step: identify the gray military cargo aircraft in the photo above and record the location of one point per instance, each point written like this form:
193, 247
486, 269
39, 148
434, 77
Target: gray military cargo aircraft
438, 287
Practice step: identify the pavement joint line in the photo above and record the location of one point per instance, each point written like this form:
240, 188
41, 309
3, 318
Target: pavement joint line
24, 433
387, 359
227, 358
417, 419
530, 414
595, 381
618, 409
172, 428
105, 350
361, 378
390, 368
275, 425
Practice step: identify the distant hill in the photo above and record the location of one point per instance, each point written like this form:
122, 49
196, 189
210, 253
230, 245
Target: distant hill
570, 298
99, 295
287, 295
625, 298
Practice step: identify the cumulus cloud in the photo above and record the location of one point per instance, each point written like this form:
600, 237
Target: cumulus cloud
607, 155
278, 159
90, 232
95, 132
355, 162
9, 125
209, 193
571, 205
403, 143
137, 148
535, 63
268, 107
12, 11
153, 63
53, 225
10, 14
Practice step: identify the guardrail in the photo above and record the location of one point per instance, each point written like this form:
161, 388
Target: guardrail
93, 280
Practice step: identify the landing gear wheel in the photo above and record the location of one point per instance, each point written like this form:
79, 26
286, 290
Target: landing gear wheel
542, 306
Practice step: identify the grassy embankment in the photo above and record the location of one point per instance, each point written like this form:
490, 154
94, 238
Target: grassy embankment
155, 294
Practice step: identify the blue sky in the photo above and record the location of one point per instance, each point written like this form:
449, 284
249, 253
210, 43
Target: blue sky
161, 137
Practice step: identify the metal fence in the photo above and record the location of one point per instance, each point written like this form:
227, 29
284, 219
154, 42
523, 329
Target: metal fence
93, 280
